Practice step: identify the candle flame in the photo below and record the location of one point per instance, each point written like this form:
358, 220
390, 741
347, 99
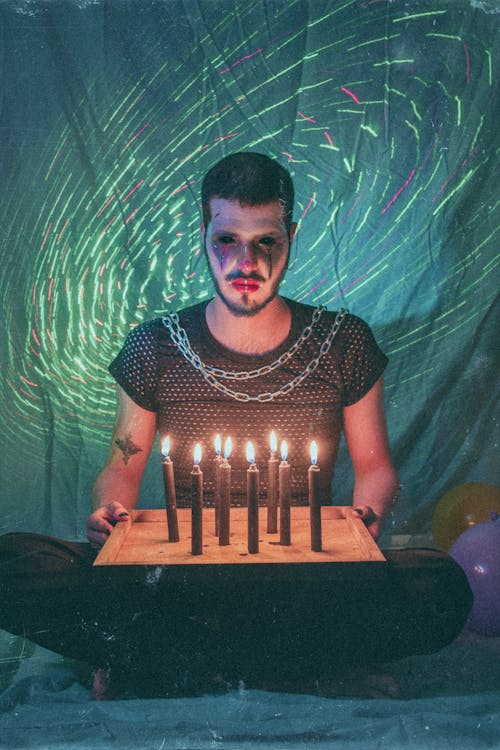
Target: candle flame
250, 453
218, 444
197, 454
314, 453
165, 446
273, 442
228, 445
284, 450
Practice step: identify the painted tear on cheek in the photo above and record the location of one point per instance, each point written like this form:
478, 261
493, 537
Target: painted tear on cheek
222, 258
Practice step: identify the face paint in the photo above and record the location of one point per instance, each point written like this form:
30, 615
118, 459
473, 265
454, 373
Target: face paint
265, 248
247, 251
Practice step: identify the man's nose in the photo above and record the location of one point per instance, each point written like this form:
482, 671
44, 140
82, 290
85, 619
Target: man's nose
247, 257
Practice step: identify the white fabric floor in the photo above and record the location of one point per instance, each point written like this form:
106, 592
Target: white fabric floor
450, 700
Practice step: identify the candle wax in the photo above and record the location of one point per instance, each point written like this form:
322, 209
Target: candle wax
225, 502
253, 508
217, 490
284, 501
196, 510
315, 508
170, 499
272, 495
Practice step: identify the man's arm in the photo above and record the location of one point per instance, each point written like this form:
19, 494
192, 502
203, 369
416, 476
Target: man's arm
117, 486
375, 478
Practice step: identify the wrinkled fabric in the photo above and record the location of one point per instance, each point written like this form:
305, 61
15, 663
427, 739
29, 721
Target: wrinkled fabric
111, 112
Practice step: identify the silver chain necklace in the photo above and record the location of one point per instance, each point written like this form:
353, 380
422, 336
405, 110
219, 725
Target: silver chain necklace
213, 375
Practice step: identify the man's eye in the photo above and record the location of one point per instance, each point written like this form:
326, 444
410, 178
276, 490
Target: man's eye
267, 241
225, 239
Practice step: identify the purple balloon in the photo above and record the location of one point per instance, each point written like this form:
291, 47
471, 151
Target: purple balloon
477, 551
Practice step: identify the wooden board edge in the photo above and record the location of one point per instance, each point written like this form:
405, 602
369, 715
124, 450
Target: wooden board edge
109, 551
366, 541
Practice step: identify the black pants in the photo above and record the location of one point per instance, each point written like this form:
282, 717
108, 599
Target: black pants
148, 624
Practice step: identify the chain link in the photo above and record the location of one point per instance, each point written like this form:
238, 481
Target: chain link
180, 338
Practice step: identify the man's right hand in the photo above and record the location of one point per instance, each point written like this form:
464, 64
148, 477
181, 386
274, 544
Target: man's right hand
100, 523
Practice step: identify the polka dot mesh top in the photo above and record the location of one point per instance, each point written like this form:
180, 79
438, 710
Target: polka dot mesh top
154, 373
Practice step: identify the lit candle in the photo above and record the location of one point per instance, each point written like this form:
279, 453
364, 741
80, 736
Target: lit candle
217, 463
272, 486
252, 501
170, 497
284, 495
314, 499
225, 494
196, 503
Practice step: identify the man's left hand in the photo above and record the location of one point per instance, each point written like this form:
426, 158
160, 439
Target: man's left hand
372, 521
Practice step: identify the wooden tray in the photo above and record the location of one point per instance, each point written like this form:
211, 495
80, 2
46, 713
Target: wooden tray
143, 540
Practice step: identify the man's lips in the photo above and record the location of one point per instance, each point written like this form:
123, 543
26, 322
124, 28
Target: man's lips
244, 284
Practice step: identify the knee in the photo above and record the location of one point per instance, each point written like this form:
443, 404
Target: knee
434, 576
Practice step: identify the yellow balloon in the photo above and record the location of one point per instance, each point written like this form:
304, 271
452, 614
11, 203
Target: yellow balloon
462, 507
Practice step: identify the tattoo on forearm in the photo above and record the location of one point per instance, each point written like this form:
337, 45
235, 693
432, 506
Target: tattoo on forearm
127, 447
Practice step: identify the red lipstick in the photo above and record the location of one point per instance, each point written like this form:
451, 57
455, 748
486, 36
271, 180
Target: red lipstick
244, 284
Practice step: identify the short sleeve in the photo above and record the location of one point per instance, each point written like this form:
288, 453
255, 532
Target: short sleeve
363, 361
135, 368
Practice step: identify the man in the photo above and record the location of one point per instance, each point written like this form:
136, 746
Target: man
243, 363
247, 233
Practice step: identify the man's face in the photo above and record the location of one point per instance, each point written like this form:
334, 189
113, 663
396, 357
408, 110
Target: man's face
247, 250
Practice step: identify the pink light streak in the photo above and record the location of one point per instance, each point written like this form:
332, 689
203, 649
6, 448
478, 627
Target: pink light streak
134, 137
349, 93
242, 59
35, 304
454, 174
108, 202
396, 195
304, 117
29, 395
134, 104
57, 158
353, 207
328, 137
129, 218
45, 237
35, 385
311, 201
183, 187
349, 286
316, 286
62, 232
110, 222
136, 187
467, 64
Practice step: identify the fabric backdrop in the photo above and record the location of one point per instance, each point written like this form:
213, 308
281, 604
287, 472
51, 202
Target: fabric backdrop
386, 113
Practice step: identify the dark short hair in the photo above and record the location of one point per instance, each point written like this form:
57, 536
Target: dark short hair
250, 178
